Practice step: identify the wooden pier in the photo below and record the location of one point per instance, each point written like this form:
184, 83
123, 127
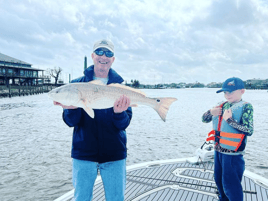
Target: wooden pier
17, 90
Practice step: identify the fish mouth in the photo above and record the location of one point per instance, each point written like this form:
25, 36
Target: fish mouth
50, 95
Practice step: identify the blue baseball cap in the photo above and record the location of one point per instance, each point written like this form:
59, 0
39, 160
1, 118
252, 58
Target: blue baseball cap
232, 84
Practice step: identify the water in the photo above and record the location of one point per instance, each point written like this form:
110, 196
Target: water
35, 144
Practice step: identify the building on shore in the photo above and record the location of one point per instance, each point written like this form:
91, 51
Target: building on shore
257, 84
17, 72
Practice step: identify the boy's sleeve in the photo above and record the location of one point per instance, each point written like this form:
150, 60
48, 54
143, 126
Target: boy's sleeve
207, 117
246, 124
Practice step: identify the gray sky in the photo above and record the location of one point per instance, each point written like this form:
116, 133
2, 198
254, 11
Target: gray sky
155, 41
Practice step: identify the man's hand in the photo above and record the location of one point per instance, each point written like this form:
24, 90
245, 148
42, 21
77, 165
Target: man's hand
121, 104
64, 106
216, 111
227, 114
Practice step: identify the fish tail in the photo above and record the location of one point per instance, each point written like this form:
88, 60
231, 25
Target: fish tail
162, 106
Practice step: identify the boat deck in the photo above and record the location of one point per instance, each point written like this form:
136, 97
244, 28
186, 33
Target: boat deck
182, 181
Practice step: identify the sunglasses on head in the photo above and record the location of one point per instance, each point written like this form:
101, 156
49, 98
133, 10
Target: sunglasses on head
107, 53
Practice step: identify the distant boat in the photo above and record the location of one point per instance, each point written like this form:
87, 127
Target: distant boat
185, 179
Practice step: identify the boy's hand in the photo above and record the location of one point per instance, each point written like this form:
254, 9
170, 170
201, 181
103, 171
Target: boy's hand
227, 114
216, 111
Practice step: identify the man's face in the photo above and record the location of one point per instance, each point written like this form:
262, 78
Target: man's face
102, 64
234, 96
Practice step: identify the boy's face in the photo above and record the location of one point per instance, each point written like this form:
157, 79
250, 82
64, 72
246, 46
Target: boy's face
234, 96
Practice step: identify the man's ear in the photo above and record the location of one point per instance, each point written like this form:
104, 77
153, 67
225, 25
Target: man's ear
242, 91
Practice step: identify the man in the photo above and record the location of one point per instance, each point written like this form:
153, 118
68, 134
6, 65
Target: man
99, 144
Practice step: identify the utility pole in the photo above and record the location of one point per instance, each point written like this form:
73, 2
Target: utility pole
85, 63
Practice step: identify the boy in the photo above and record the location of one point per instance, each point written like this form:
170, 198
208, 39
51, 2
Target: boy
232, 123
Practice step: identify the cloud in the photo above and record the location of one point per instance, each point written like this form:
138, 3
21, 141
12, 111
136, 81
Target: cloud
154, 41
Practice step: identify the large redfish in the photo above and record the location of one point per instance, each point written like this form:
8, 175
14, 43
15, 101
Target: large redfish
95, 95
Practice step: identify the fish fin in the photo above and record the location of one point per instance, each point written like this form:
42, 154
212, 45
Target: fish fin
134, 105
88, 109
126, 87
98, 82
163, 105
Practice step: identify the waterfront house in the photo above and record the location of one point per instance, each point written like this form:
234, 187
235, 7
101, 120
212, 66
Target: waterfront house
16, 72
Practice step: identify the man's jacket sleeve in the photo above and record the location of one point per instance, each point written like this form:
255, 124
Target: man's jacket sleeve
122, 120
72, 116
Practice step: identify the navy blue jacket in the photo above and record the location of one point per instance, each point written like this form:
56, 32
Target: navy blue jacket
103, 138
